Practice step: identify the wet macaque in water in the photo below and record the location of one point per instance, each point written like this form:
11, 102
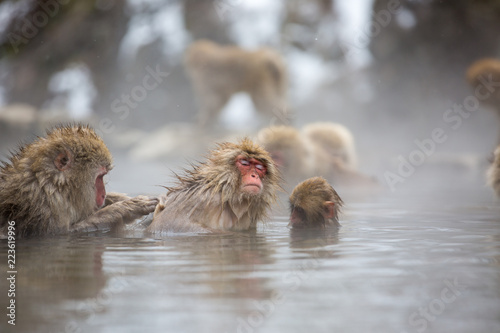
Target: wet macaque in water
484, 76
494, 172
319, 150
335, 139
217, 72
232, 190
55, 185
314, 203
290, 152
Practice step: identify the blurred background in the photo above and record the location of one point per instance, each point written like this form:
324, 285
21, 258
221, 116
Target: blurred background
390, 70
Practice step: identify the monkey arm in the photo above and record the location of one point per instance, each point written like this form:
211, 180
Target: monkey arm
114, 197
124, 211
162, 199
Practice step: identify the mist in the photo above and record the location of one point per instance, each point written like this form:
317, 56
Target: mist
417, 252
393, 72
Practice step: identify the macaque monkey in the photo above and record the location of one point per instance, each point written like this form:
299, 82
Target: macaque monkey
217, 72
55, 185
482, 72
484, 76
290, 152
298, 156
494, 172
232, 190
314, 203
335, 139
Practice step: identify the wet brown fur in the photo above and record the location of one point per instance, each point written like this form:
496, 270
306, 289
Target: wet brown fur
308, 201
43, 199
207, 196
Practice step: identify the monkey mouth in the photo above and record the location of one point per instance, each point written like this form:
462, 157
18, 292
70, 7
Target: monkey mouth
252, 185
252, 188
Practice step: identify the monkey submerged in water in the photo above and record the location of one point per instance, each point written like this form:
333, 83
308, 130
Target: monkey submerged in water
314, 203
232, 190
55, 185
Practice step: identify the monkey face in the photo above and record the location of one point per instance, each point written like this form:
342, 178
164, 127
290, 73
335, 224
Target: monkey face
298, 217
252, 172
302, 218
100, 189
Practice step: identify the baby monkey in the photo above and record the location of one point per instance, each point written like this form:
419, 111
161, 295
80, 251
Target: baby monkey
314, 203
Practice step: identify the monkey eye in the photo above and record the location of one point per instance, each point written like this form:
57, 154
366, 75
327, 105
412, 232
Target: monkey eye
244, 162
260, 167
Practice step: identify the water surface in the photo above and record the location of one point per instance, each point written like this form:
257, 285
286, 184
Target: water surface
427, 261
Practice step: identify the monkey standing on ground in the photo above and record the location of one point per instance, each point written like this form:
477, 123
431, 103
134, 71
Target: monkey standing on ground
55, 185
217, 72
314, 203
232, 190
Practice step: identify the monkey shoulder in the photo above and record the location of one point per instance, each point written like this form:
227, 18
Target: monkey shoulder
165, 223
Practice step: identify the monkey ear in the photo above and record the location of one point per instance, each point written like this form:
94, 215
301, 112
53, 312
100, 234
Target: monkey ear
330, 209
63, 161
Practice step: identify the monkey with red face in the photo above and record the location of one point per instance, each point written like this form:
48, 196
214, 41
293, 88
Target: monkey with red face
55, 185
232, 190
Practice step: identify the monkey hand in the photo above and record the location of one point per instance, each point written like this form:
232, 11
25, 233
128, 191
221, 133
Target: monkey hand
114, 197
161, 205
136, 207
124, 211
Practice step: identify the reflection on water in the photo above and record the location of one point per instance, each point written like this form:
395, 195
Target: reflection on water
402, 263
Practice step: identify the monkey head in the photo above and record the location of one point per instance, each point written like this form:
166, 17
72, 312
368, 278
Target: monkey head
314, 203
287, 149
479, 74
75, 160
242, 170
252, 172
